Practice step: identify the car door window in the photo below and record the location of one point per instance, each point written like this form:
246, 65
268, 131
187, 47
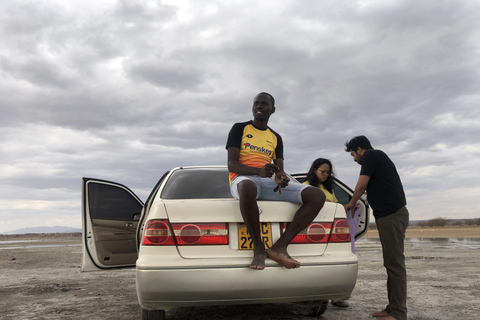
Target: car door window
112, 203
341, 195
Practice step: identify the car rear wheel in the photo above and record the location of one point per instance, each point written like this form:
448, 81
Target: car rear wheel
153, 314
316, 310
319, 310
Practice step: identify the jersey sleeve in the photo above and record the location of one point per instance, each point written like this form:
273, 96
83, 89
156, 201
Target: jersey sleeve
235, 136
279, 148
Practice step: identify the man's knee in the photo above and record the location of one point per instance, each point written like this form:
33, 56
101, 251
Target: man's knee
247, 189
314, 196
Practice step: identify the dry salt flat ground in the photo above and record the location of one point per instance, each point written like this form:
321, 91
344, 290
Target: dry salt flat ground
40, 279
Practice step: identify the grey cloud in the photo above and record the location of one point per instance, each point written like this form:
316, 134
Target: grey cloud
129, 11
40, 72
21, 18
168, 74
126, 91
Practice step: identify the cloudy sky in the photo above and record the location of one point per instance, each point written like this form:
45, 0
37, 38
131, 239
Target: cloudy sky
126, 90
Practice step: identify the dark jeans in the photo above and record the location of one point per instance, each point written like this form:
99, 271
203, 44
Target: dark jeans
392, 229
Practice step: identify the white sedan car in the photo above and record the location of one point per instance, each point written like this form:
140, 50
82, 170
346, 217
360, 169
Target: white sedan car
190, 247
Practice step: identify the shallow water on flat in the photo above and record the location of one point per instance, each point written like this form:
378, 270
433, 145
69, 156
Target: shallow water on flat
452, 243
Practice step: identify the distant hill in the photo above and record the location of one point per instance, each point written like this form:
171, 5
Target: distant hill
44, 230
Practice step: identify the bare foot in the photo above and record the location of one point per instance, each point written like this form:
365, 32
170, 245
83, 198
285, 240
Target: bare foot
258, 262
283, 258
382, 313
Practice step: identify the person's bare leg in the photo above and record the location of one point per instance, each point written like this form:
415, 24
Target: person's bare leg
313, 200
281, 256
249, 209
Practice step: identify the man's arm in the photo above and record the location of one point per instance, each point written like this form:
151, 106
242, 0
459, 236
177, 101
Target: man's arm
360, 188
279, 163
235, 166
281, 177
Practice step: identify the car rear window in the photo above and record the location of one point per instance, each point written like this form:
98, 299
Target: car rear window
195, 183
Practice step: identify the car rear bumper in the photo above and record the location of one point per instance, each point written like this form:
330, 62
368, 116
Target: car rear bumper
159, 288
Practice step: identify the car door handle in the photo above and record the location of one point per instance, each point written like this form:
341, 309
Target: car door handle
128, 224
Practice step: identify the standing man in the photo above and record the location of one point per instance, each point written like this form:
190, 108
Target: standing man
252, 146
379, 177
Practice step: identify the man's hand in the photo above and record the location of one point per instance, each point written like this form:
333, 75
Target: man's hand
350, 206
268, 170
282, 179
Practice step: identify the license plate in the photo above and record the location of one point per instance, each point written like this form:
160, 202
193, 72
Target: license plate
244, 240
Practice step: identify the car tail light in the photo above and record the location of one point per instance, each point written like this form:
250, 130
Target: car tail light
158, 232
340, 231
200, 233
320, 232
316, 232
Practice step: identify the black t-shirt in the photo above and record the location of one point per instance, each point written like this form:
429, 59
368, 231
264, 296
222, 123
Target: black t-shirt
384, 191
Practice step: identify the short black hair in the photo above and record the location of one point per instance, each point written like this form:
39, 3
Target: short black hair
358, 142
271, 97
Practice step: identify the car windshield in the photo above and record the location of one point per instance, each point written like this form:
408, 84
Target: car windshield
197, 183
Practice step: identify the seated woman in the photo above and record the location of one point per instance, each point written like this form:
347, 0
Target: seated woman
321, 175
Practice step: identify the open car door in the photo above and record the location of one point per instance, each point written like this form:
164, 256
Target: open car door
343, 194
110, 216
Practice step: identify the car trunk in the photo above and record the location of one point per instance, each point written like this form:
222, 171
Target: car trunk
227, 211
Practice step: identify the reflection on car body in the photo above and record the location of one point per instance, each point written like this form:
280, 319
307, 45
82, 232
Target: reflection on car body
188, 247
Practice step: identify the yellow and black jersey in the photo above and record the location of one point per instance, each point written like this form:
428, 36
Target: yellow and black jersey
257, 147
